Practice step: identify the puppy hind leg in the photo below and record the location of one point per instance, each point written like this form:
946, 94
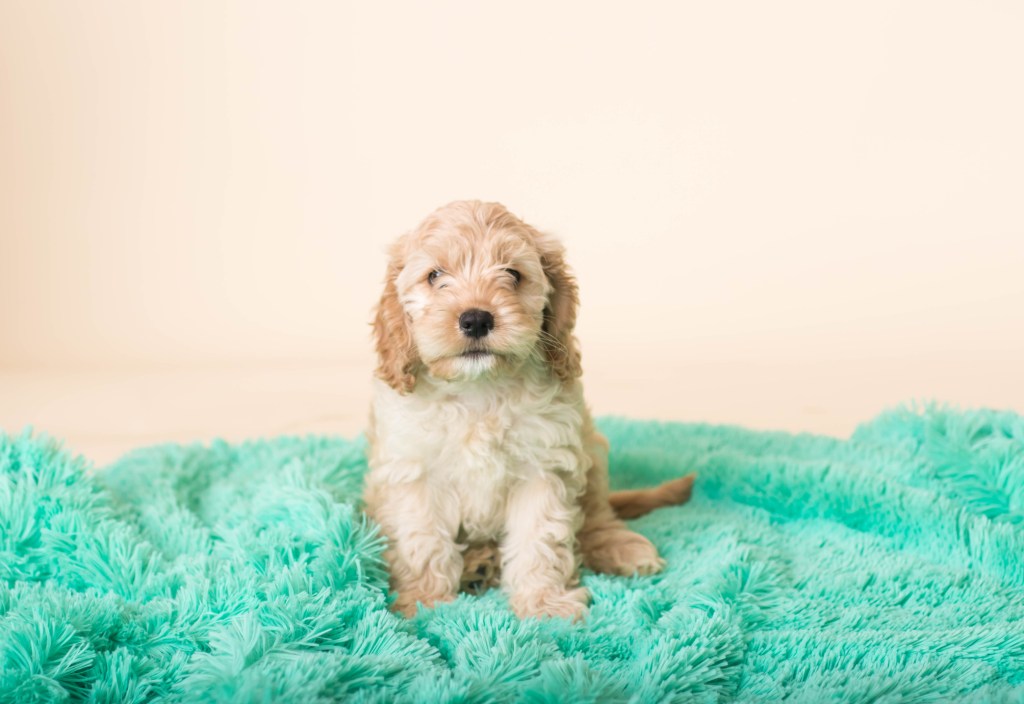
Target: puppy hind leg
481, 568
607, 545
613, 548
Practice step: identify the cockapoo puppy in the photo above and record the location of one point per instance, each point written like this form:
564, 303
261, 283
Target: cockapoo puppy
482, 450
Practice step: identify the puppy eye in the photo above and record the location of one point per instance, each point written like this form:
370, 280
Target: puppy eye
432, 276
515, 275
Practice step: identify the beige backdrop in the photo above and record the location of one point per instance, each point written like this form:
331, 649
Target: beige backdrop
782, 214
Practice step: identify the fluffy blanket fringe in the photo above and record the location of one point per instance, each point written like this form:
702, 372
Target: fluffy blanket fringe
889, 567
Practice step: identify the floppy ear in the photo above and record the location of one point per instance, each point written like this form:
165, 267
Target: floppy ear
558, 342
397, 358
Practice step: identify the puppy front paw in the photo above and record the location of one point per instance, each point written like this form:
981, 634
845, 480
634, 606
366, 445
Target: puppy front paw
556, 603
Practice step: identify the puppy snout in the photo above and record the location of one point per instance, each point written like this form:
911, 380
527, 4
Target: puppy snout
476, 323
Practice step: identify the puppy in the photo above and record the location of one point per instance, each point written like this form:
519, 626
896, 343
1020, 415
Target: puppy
482, 450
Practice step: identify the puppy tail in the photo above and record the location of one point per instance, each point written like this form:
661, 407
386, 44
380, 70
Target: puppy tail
639, 502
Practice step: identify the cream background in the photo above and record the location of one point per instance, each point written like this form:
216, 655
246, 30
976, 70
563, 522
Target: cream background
786, 215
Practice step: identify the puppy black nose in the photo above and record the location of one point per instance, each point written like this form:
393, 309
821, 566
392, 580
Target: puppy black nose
476, 323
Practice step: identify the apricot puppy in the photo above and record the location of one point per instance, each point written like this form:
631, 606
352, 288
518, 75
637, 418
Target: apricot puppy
480, 439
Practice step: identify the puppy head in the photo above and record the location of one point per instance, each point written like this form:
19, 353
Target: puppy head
474, 291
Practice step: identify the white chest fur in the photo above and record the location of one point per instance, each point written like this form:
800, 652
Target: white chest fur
472, 444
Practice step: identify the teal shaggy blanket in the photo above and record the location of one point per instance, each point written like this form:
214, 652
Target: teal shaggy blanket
889, 567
